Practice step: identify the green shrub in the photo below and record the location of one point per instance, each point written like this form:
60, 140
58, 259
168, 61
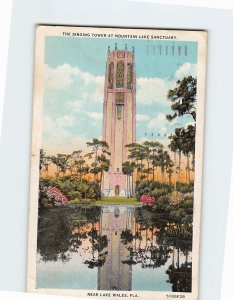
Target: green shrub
71, 188
152, 188
74, 195
163, 205
185, 187
182, 212
75, 201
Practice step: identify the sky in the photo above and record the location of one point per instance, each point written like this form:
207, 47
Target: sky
74, 70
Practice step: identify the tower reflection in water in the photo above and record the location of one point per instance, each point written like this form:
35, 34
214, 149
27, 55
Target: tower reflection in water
113, 247
114, 275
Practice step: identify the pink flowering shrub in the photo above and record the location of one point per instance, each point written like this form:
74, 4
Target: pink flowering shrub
147, 200
56, 196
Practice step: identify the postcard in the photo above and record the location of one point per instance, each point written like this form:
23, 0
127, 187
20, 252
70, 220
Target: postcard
116, 162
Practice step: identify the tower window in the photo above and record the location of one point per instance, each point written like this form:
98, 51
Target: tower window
120, 75
129, 76
119, 112
120, 98
110, 75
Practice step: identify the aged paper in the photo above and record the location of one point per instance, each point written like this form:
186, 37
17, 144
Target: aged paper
116, 164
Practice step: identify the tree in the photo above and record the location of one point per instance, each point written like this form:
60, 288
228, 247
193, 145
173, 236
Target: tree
169, 172
81, 168
176, 144
137, 153
164, 162
183, 97
181, 278
188, 146
75, 156
61, 162
103, 166
44, 162
128, 169
152, 149
100, 155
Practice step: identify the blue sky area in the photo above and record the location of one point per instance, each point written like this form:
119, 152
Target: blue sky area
74, 83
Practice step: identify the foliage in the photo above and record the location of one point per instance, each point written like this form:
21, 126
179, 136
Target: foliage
181, 278
183, 97
53, 234
182, 212
149, 257
56, 234
152, 188
163, 205
100, 156
178, 230
74, 191
128, 169
185, 187
126, 237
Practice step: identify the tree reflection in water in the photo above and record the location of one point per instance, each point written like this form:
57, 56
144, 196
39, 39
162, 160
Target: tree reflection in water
151, 241
62, 231
154, 241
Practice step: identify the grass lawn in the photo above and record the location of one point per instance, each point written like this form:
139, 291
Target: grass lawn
118, 200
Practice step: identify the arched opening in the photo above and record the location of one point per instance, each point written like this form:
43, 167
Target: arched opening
129, 76
110, 75
120, 75
117, 190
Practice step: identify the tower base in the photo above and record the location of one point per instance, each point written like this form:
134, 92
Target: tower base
112, 193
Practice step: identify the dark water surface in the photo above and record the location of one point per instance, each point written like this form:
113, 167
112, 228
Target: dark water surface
113, 247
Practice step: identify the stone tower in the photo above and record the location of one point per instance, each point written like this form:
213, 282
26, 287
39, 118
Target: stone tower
119, 113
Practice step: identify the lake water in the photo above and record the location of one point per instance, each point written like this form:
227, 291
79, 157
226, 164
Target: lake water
112, 247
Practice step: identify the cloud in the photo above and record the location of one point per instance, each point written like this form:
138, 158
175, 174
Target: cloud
159, 122
57, 78
73, 105
58, 139
95, 115
187, 69
72, 99
65, 121
76, 105
64, 75
142, 117
152, 90
73, 83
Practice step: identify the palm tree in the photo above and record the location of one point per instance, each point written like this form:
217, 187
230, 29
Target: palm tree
173, 148
137, 153
152, 148
169, 172
75, 156
104, 164
164, 162
98, 148
128, 169
176, 144
188, 146
100, 155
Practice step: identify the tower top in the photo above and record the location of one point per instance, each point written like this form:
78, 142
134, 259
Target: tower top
116, 48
